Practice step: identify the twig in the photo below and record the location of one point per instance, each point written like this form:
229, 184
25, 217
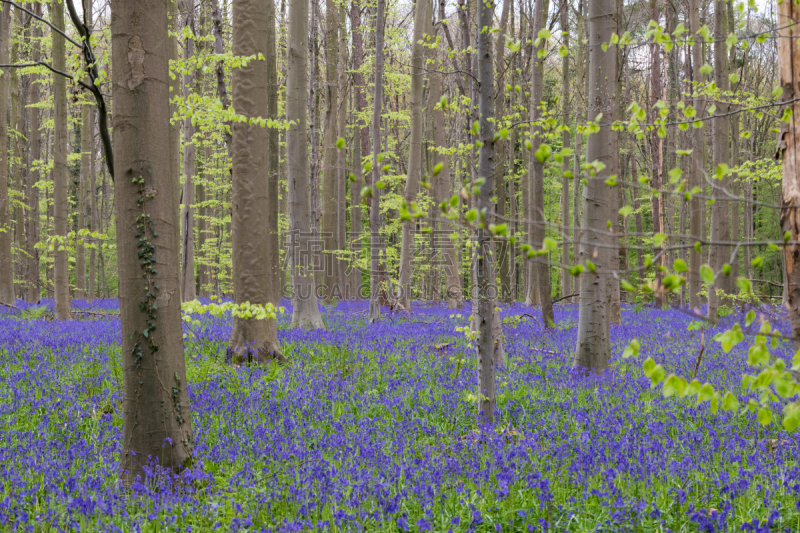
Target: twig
702, 348
565, 297
37, 17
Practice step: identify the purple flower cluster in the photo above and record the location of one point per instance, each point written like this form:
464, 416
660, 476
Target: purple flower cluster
370, 428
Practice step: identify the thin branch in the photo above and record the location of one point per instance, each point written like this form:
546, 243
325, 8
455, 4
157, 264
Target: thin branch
37, 17
43, 64
91, 69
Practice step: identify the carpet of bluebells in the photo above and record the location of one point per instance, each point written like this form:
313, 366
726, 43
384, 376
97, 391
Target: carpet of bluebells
374, 428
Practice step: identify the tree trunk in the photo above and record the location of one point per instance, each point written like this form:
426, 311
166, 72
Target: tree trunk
330, 211
340, 266
696, 205
156, 417
251, 338
788, 60
88, 152
592, 351
486, 342
501, 246
188, 292
720, 210
6, 235
541, 267
374, 214
273, 159
60, 172
414, 151
577, 191
304, 288
33, 289
566, 278
656, 158
360, 146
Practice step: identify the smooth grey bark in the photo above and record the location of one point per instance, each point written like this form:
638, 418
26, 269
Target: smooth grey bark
501, 246
566, 277
696, 206
592, 352
188, 286
60, 173
330, 171
304, 288
582, 79
6, 235
789, 142
656, 160
156, 413
273, 184
342, 289
33, 285
90, 180
251, 339
486, 341
414, 175
449, 256
360, 145
541, 268
720, 210
374, 214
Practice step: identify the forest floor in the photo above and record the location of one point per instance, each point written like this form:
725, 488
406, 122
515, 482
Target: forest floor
373, 428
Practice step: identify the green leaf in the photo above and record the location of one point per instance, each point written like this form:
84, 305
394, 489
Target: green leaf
705, 393
550, 244
438, 168
764, 416
543, 153
648, 366
680, 265
707, 274
750, 317
632, 350
730, 402
340, 143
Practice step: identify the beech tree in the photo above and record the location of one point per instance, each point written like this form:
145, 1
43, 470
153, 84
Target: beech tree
157, 423
304, 287
593, 345
7, 293
60, 185
253, 275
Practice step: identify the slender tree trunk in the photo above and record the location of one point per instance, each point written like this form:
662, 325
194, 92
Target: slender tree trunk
656, 158
340, 266
6, 235
157, 417
330, 211
541, 267
696, 205
273, 158
360, 143
60, 173
592, 351
219, 48
88, 152
18, 124
414, 151
33, 290
188, 292
304, 288
577, 191
374, 214
566, 278
720, 210
501, 246
486, 342
202, 223
733, 180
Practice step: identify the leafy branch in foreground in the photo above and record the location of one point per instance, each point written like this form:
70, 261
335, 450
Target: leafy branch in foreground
769, 390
